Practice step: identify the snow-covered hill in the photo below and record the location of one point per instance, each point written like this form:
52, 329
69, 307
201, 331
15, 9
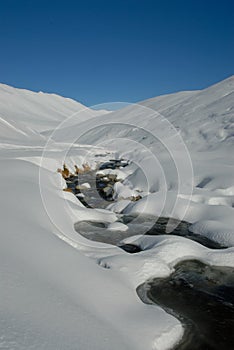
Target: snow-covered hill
24, 113
205, 118
62, 291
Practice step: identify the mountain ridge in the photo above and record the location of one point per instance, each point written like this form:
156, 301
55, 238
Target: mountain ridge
205, 117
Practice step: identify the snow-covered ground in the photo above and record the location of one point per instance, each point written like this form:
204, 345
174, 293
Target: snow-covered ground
62, 291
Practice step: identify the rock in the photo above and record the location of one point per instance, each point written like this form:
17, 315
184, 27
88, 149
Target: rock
108, 191
135, 198
84, 186
100, 175
112, 177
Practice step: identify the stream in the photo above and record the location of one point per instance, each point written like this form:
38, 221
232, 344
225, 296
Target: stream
202, 298
199, 295
100, 195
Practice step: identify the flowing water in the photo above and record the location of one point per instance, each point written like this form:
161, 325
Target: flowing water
100, 194
202, 298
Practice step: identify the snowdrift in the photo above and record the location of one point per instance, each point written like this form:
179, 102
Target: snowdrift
62, 291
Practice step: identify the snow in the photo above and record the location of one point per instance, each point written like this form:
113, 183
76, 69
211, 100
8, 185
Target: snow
39, 111
85, 185
53, 294
117, 226
63, 291
180, 147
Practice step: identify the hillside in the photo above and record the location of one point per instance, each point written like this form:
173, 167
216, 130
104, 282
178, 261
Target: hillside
61, 290
24, 113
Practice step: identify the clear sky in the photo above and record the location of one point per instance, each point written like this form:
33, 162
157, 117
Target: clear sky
115, 50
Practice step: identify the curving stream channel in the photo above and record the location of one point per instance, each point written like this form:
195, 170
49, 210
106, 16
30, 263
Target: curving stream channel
199, 295
202, 298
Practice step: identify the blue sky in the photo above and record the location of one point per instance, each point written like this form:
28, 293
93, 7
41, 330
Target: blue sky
115, 50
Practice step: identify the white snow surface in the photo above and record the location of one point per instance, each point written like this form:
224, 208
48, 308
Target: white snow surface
58, 289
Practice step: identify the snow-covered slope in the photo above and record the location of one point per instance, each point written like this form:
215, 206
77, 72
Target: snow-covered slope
62, 291
206, 117
187, 138
37, 110
12, 132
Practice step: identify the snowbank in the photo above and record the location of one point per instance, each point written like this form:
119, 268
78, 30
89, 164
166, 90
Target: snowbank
60, 290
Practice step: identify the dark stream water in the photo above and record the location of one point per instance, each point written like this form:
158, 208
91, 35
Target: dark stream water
143, 225
200, 296
92, 197
182, 230
100, 194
